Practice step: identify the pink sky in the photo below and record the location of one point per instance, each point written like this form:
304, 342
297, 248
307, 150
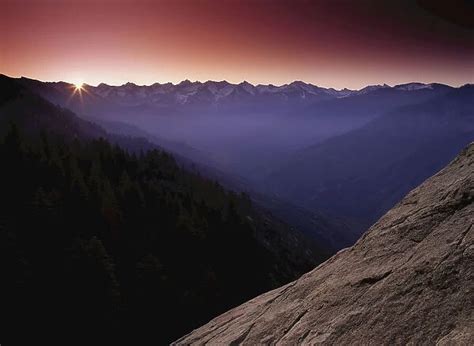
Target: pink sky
329, 43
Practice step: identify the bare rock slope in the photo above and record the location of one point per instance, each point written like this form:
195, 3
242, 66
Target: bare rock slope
409, 279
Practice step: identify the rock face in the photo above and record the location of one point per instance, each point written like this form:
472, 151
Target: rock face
409, 279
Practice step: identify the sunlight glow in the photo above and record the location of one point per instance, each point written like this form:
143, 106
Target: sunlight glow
78, 89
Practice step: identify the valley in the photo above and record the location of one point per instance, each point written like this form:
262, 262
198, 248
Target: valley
346, 155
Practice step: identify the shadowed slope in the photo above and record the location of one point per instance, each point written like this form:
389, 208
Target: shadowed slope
119, 239
362, 174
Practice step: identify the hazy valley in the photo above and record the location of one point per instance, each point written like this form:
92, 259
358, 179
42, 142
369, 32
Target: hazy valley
351, 154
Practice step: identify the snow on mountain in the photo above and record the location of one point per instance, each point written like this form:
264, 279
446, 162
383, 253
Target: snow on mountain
370, 88
413, 86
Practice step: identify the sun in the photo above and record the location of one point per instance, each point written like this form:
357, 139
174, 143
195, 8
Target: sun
79, 86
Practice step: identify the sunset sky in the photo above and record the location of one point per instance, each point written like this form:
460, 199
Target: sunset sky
330, 43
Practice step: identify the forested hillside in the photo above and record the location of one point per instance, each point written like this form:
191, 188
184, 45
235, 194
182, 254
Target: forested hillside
106, 239
108, 233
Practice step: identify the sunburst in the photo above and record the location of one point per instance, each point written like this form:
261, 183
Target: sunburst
79, 86
78, 89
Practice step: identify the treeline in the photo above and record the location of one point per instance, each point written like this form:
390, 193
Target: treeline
96, 239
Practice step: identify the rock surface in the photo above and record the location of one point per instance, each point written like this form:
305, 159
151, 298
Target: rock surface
409, 279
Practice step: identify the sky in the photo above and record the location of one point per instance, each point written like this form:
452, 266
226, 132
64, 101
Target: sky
330, 43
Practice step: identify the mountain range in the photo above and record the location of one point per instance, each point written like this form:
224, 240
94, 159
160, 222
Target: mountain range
342, 155
211, 94
104, 231
363, 173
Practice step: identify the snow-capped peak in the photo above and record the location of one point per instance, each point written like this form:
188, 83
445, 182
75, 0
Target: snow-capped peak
413, 86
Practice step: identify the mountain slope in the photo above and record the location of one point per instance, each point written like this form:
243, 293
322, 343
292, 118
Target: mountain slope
32, 112
105, 237
324, 235
260, 133
363, 173
409, 279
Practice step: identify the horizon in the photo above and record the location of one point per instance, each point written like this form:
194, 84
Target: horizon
235, 83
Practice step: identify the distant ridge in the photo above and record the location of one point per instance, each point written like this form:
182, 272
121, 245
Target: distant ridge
297, 83
219, 93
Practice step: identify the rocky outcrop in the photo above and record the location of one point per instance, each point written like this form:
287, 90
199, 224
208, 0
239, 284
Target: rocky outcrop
409, 279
